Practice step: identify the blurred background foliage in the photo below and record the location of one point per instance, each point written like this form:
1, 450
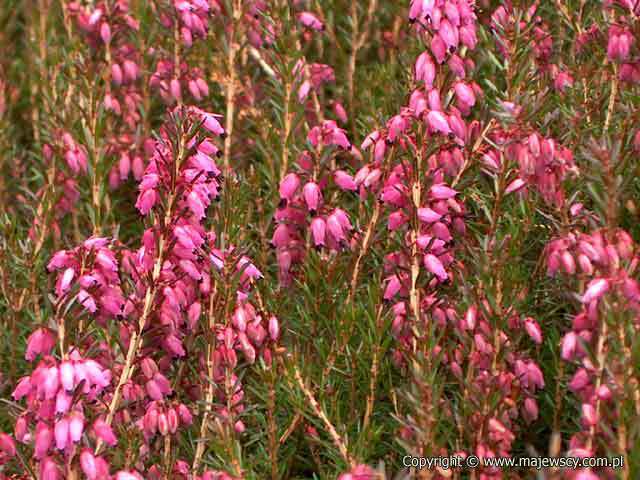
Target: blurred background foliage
48, 82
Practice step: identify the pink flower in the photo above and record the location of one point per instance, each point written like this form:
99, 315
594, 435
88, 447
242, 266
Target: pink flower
105, 32
312, 196
76, 427
579, 380
449, 35
210, 121
394, 285
425, 69
470, 318
427, 215
50, 383
438, 48
434, 265
274, 328
49, 470
514, 186
288, 186
116, 74
340, 112
23, 388
104, 432
44, 440
309, 20
7, 445
604, 393
438, 122
193, 314
562, 81
397, 219
336, 228
61, 433
595, 289
585, 474
345, 181
127, 475
442, 192
360, 472
569, 345
589, 415
40, 342
465, 94
88, 464
318, 231
146, 200
533, 329
531, 409
185, 414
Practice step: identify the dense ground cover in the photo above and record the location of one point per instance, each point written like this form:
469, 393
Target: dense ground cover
246, 239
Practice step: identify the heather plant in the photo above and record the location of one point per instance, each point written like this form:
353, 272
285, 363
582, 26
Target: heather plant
244, 239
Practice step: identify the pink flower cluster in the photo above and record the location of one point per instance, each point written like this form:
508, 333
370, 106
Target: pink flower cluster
505, 23
491, 361
311, 77
421, 207
169, 280
303, 210
452, 25
622, 44
542, 163
62, 396
173, 73
65, 202
421, 204
604, 262
108, 29
59, 396
260, 31
305, 215
93, 267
